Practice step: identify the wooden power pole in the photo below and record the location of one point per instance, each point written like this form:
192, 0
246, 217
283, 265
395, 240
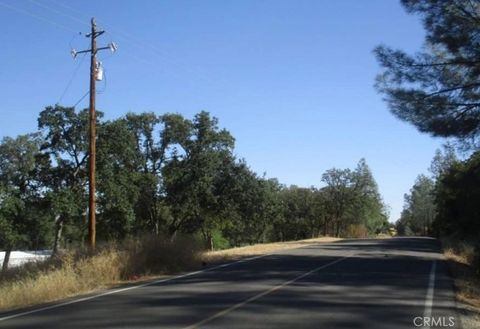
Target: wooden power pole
92, 135
92, 150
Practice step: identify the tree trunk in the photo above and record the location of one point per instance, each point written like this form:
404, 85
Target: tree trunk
173, 235
58, 233
210, 242
6, 259
337, 233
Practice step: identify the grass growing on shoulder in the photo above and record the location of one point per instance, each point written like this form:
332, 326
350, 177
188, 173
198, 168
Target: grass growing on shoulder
79, 272
156, 255
259, 249
464, 264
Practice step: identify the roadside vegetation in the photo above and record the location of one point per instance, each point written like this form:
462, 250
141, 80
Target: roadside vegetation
461, 257
72, 273
437, 91
171, 194
259, 249
165, 175
162, 177
81, 271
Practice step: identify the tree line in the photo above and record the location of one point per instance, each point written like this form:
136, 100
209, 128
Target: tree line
168, 175
446, 203
438, 90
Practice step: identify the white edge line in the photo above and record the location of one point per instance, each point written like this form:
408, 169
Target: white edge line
264, 293
430, 291
111, 292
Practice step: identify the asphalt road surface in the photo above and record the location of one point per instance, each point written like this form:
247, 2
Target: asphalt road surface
391, 283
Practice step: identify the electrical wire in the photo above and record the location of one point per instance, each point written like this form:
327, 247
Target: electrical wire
73, 38
39, 4
81, 99
144, 50
158, 53
38, 17
72, 78
61, 4
122, 34
125, 36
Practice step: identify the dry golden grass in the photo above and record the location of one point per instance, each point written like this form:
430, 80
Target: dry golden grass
76, 273
383, 236
460, 257
259, 249
68, 279
79, 272
356, 231
153, 255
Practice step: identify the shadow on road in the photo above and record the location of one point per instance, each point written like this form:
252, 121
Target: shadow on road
381, 285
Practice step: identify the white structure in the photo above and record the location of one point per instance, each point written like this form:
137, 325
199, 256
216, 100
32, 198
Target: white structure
18, 258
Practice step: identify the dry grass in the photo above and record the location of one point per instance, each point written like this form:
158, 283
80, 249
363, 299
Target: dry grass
356, 231
80, 272
460, 257
76, 273
383, 236
461, 260
72, 276
259, 249
153, 255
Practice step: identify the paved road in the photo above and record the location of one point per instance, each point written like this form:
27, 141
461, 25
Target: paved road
349, 284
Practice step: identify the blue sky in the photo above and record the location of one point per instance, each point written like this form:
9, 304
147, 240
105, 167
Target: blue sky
291, 80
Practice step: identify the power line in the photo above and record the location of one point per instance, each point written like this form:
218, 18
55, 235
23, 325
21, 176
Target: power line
43, 19
35, 2
61, 4
117, 32
164, 56
159, 53
82, 98
71, 78
122, 34
79, 13
73, 38
134, 41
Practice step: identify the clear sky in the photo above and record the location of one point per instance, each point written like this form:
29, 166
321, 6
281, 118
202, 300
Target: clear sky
291, 80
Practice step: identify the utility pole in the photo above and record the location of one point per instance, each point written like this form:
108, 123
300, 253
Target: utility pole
92, 121
92, 149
